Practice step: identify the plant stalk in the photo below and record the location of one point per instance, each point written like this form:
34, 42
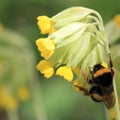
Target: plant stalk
12, 114
116, 108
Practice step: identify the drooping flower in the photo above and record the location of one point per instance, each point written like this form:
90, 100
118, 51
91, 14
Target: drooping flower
46, 47
66, 72
78, 41
45, 24
46, 68
10, 103
7, 100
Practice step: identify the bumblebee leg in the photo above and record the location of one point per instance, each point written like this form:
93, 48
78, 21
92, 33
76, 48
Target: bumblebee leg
83, 89
84, 76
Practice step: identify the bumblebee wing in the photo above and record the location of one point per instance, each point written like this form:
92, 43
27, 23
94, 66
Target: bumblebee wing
110, 101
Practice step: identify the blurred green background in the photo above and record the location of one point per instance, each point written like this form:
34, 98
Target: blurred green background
52, 99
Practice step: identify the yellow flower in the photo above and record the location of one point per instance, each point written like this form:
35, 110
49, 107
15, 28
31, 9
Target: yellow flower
23, 94
45, 24
10, 103
112, 114
116, 19
46, 47
78, 43
66, 72
46, 68
7, 101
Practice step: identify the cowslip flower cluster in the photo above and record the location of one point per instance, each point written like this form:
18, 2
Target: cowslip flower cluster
7, 101
76, 41
13, 80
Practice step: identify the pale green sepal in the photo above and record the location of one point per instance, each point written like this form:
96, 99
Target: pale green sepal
72, 54
80, 49
70, 15
67, 31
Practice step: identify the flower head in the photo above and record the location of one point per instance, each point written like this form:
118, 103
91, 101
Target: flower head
7, 100
79, 41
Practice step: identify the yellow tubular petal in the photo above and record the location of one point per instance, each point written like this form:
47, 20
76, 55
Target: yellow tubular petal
116, 19
45, 43
46, 68
46, 47
47, 54
45, 24
66, 72
49, 72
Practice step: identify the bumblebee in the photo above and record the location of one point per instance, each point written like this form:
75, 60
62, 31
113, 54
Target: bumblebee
101, 82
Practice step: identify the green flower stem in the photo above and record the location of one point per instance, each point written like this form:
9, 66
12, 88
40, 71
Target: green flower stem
106, 114
116, 107
12, 114
117, 113
37, 100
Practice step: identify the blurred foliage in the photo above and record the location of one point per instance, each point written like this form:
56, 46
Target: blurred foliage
17, 71
59, 101
113, 34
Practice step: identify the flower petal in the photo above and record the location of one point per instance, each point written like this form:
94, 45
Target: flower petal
66, 72
45, 24
46, 47
46, 68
